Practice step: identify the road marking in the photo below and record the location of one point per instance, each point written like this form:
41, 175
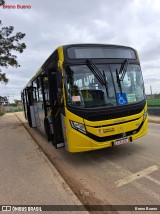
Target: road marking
153, 179
136, 176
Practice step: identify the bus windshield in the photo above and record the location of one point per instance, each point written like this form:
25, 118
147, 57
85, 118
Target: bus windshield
85, 90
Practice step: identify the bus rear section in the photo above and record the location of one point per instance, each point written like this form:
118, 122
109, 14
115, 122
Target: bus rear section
96, 97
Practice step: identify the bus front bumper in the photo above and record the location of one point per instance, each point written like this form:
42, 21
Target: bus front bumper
79, 142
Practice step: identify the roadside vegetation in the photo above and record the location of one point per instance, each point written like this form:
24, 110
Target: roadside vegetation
1, 114
19, 110
155, 103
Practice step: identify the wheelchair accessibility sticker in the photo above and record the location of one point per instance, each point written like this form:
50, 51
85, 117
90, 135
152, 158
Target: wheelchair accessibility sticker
122, 98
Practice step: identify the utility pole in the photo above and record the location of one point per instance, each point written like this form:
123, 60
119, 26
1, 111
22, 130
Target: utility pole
152, 95
151, 89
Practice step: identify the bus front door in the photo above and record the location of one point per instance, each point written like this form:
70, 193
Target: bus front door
30, 108
58, 140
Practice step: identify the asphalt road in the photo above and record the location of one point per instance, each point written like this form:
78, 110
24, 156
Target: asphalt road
124, 175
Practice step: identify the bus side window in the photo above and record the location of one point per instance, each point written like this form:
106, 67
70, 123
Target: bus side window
35, 95
46, 90
40, 95
30, 95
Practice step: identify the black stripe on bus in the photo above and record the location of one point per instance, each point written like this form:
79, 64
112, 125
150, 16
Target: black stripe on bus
114, 137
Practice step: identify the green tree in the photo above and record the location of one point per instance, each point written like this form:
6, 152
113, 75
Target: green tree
3, 99
18, 102
2, 2
8, 44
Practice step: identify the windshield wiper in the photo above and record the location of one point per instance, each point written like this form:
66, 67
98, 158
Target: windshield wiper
97, 73
121, 73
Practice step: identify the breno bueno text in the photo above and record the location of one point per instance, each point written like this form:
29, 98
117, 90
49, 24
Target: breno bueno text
18, 6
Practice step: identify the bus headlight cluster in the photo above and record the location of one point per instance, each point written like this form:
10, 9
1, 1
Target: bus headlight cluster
78, 126
145, 115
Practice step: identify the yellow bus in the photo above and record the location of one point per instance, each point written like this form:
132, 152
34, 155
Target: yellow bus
88, 97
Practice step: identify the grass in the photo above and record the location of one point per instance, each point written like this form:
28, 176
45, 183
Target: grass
154, 107
14, 111
2, 113
153, 103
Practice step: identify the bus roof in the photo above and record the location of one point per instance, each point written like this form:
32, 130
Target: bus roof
65, 47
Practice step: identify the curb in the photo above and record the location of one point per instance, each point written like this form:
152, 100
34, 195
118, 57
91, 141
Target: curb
153, 121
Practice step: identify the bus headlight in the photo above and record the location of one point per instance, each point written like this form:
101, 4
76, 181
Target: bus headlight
78, 126
145, 115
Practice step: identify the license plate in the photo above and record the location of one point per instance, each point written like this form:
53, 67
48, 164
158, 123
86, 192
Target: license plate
121, 141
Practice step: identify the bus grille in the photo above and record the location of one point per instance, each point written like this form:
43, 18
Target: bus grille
113, 115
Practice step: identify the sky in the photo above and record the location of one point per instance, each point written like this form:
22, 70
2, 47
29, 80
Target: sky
51, 23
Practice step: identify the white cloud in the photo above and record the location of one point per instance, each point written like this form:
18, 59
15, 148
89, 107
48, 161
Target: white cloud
49, 24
